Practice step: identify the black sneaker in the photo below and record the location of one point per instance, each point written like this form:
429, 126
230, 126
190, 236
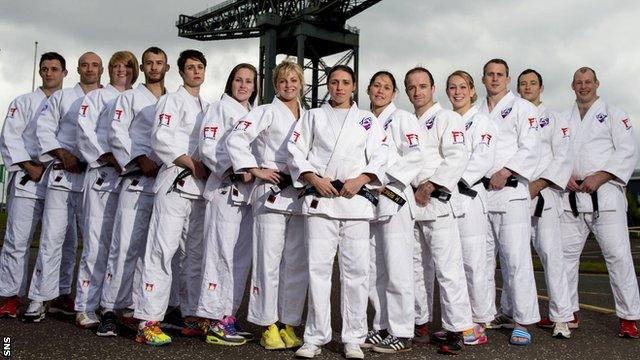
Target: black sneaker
452, 345
392, 345
108, 325
374, 337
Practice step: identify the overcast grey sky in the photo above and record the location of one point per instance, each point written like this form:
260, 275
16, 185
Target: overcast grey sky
554, 37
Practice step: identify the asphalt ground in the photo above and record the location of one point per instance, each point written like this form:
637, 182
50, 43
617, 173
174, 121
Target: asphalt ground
57, 337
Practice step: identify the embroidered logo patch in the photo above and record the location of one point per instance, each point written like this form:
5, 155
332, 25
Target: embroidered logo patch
387, 123
565, 132
533, 124
458, 137
468, 125
83, 110
148, 286
601, 117
165, 119
366, 123
210, 132
543, 122
212, 286
12, 112
256, 290
485, 139
85, 283
429, 123
412, 139
44, 108
117, 113
242, 125
504, 113
627, 123
294, 137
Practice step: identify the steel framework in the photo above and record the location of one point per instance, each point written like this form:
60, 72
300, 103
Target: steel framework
310, 30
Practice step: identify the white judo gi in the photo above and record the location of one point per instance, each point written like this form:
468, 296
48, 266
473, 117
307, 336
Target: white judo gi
339, 144
228, 217
25, 198
517, 149
438, 239
130, 135
279, 276
100, 199
56, 128
178, 204
602, 141
391, 286
480, 141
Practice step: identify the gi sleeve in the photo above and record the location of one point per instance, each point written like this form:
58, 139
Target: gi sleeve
119, 138
525, 160
406, 137
47, 126
624, 158
483, 139
451, 138
166, 141
88, 118
377, 152
12, 145
559, 169
299, 146
239, 140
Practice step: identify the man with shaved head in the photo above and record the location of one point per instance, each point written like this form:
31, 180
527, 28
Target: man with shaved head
56, 136
605, 152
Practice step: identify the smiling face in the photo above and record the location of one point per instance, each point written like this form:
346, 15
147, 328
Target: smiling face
341, 87
120, 74
459, 92
529, 88
242, 85
495, 79
381, 91
419, 90
288, 86
585, 85
193, 74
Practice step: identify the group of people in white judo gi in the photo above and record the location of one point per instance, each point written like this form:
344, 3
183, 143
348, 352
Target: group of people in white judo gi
179, 202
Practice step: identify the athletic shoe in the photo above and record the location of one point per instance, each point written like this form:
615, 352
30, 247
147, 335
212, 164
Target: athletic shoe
546, 323
271, 339
224, 333
421, 334
172, 319
128, 319
149, 333
561, 331
108, 324
575, 323
35, 312
288, 335
439, 336
353, 351
308, 351
195, 328
9, 307
475, 336
63, 304
87, 319
392, 345
501, 322
628, 329
240, 330
452, 345
374, 337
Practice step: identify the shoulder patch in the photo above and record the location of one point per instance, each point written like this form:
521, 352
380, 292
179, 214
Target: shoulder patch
565, 132
627, 123
458, 137
117, 114
533, 124
485, 139
242, 125
294, 137
12, 112
413, 140
165, 119
83, 110
210, 132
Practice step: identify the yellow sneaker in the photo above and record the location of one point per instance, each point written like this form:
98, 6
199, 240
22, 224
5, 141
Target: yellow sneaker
149, 333
289, 337
271, 339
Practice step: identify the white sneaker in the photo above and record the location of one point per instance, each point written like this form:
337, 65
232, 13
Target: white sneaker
353, 351
561, 330
35, 312
87, 319
308, 351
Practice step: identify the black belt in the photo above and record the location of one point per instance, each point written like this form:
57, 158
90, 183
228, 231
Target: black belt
132, 173
393, 196
179, 180
337, 184
81, 165
234, 178
539, 206
512, 181
465, 190
283, 184
573, 202
438, 194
